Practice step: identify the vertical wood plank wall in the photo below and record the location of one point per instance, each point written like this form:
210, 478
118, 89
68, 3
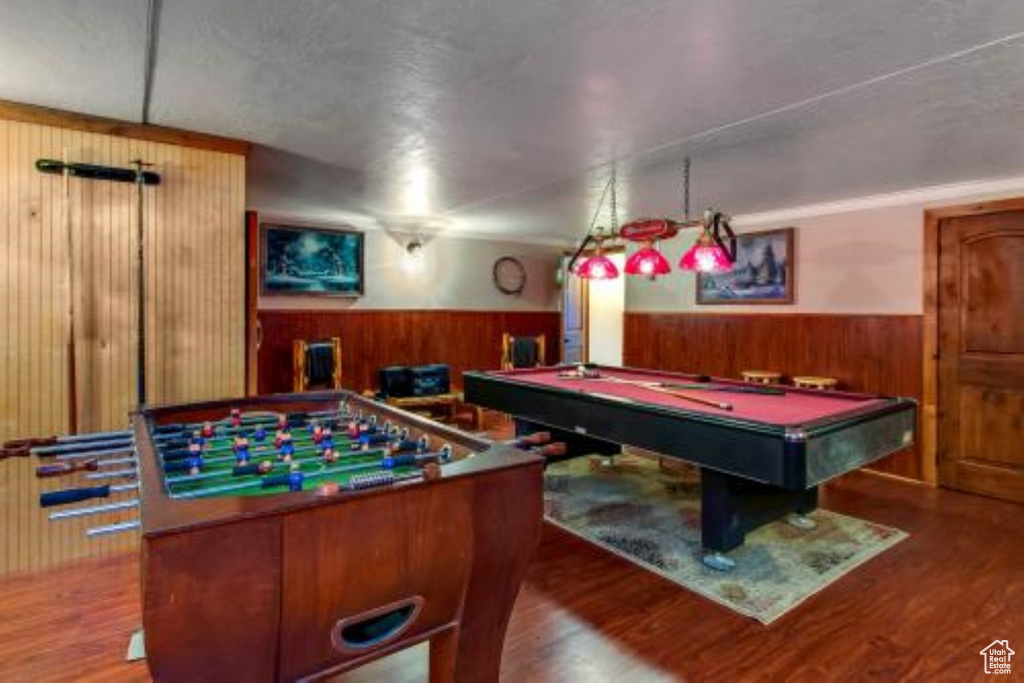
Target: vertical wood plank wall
194, 241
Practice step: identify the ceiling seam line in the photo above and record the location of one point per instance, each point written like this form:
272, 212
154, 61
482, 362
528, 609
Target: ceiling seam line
149, 65
751, 119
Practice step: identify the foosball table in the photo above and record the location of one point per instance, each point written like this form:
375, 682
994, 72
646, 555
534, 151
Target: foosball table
296, 537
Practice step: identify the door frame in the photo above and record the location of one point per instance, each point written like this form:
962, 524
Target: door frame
930, 390
586, 253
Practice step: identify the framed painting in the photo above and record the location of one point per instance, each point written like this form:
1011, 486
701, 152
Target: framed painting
764, 272
310, 261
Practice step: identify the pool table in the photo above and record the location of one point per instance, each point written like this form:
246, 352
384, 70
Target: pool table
761, 459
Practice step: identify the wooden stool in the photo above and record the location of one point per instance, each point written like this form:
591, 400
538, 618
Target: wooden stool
761, 376
815, 382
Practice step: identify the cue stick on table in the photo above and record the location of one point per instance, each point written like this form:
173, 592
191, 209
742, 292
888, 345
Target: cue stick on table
654, 386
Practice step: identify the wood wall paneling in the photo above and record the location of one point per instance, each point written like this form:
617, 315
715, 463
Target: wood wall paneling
873, 353
371, 339
195, 304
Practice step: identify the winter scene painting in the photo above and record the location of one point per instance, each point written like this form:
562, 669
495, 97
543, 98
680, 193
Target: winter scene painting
762, 273
312, 261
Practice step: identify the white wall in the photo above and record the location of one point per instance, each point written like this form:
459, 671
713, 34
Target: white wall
454, 273
859, 256
607, 301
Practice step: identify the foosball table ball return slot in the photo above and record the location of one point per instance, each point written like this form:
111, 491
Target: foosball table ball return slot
247, 585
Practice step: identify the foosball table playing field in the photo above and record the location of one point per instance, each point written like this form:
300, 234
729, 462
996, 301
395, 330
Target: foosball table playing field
296, 537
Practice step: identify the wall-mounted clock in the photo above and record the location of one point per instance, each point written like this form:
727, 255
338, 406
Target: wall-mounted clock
509, 276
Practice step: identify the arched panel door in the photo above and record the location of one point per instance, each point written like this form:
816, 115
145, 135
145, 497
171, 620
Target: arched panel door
981, 354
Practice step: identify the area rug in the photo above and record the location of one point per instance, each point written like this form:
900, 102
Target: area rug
651, 516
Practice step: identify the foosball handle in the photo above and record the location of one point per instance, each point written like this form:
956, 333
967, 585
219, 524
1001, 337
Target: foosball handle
53, 498
14, 452
26, 444
551, 449
60, 469
535, 439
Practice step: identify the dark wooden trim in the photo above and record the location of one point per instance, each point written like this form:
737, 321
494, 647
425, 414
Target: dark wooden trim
45, 116
252, 297
375, 338
930, 333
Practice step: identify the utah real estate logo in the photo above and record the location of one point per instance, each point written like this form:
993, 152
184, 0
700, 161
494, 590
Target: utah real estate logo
997, 657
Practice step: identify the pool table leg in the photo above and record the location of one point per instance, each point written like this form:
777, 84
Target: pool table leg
731, 506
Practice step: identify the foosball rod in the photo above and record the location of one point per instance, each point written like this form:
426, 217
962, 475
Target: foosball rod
68, 467
94, 509
89, 455
81, 447
130, 525
442, 455
21, 447
113, 474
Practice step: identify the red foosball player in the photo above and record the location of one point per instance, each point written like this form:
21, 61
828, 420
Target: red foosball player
330, 455
282, 422
207, 431
282, 434
236, 417
318, 434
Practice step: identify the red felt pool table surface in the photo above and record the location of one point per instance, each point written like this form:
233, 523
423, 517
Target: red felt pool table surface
796, 407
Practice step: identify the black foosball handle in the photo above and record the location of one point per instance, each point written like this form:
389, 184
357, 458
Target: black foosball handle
66, 496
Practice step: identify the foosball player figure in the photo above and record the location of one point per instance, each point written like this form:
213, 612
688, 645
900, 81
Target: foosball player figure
266, 466
242, 455
282, 422
236, 417
260, 435
287, 449
281, 436
295, 478
330, 455
198, 438
194, 465
207, 431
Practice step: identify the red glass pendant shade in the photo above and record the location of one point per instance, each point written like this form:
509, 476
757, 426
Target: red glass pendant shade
648, 261
705, 256
598, 267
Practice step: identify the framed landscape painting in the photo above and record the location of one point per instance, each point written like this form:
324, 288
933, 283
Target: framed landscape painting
763, 272
311, 261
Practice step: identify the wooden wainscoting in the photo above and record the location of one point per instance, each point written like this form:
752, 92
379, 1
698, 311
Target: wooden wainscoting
195, 303
874, 353
371, 339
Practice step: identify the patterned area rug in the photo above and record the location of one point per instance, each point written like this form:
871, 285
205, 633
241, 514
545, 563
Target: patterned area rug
651, 516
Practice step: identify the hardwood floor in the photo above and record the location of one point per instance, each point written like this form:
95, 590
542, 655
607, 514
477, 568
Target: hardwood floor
921, 611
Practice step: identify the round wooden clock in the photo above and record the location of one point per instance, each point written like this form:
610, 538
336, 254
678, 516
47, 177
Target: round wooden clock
509, 276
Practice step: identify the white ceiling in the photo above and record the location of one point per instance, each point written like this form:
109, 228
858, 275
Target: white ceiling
501, 116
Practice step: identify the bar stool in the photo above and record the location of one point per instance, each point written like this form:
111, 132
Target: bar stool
761, 376
810, 382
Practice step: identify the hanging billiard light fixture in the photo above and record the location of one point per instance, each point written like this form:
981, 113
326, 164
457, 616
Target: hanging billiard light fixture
713, 252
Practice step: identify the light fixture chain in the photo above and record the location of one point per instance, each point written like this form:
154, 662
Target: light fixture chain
615, 205
686, 189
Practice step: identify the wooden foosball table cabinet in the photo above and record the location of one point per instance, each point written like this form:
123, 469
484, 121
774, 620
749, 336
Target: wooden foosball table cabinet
263, 585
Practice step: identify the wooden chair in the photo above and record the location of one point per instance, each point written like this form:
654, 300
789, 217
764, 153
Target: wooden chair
316, 364
521, 352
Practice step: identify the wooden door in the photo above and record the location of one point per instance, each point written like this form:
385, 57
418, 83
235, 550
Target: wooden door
981, 354
574, 316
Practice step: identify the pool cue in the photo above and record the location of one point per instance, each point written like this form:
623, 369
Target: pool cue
653, 386
140, 322
72, 370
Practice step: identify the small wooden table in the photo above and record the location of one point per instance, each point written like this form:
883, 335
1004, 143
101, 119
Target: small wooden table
808, 382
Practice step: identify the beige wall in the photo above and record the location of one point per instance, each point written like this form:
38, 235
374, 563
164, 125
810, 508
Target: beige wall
855, 257
453, 273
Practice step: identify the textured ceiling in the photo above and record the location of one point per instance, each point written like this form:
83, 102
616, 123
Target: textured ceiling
501, 117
